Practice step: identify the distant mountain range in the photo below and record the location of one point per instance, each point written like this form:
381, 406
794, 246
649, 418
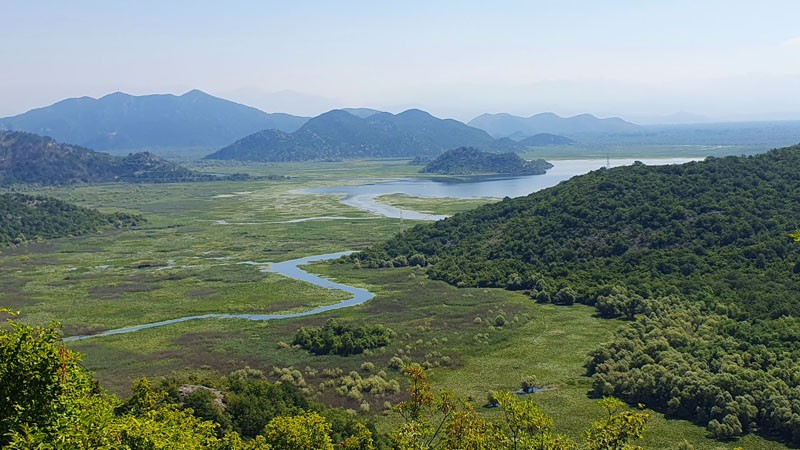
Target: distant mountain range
363, 133
29, 158
545, 139
122, 121
505, 125
469, 161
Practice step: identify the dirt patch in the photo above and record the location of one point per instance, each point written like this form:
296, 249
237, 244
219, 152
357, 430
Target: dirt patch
80, 329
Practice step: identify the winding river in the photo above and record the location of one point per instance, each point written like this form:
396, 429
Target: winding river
365, 197
289, 269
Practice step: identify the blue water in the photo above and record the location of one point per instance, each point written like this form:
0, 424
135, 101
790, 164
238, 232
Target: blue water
364, 196
286, 268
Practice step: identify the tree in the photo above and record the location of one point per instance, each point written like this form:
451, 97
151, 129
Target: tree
308, 431
621, 426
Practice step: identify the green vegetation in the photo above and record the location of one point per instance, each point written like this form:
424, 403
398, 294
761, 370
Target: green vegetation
49, 401
469, 160
446, 206
33, 218
29, 158
335, 338
452, 332
649, 244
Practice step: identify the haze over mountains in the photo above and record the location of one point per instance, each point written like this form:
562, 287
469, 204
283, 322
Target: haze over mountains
363, 133
169, 124
122, 121
507, 125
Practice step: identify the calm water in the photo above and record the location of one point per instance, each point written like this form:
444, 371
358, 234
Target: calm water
364, 196
286, 268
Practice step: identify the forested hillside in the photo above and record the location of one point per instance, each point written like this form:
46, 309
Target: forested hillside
468, 160
699, 256
28, 218
29, 158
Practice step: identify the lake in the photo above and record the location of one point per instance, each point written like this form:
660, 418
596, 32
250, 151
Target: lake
364, 196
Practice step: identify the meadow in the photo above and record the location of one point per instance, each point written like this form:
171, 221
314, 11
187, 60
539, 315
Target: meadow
184, 262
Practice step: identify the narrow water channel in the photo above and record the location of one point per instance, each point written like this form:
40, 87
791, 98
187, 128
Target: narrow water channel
289, 269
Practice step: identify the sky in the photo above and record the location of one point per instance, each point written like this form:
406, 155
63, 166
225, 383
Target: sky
642, 60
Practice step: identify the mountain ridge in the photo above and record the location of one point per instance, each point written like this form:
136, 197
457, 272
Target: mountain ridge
340, 134
504, 124
118, 121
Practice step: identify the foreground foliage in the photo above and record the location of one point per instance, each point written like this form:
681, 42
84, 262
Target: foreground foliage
49, 401
435, 420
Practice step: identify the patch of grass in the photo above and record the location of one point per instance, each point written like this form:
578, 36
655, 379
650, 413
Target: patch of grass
445, 206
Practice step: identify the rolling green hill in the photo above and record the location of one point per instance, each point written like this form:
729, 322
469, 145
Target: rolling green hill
543, 139
468, 160
697, 257
29, 218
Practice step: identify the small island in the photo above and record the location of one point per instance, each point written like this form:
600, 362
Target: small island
471, 161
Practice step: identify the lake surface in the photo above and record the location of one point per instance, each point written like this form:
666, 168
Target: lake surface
364, 196
286, 268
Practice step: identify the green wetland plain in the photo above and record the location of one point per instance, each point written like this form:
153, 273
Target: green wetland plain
184, 261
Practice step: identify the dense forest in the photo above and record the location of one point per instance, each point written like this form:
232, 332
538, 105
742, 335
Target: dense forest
30, 218
48, 400
29, 158
469, 160
697, 256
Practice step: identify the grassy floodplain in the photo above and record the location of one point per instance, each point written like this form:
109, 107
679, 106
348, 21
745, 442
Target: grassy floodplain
184, 263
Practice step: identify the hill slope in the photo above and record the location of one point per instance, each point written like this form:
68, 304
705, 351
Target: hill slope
340, 134
544, 139
698, 256
122, 121
28, 158
27, 218
501, 125
468, 160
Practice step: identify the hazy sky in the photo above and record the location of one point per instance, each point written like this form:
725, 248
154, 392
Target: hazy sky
723, 59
